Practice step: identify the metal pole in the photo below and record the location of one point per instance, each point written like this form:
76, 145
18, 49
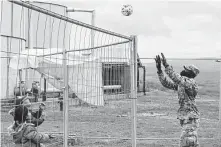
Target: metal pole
30, 43
92, 31
24, 29
44, 93
8, 62
144, 80
65, 93
1, 6
134, 89
138, 78
78, 10
29, 39
65, 99
12, 16
220, 104
20, 79
8, 59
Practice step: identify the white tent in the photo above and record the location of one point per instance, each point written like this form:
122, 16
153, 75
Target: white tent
84, 72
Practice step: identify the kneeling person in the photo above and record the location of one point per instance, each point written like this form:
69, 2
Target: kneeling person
37, 118
25, 134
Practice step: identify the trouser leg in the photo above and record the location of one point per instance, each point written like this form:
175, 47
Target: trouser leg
189, 136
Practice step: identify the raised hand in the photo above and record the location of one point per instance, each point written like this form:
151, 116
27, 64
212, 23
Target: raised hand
164, 61
158, 63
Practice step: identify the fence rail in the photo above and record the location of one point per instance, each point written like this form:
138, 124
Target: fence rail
9, 36
119, 138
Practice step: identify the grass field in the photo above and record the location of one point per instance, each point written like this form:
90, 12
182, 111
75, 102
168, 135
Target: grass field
156, 115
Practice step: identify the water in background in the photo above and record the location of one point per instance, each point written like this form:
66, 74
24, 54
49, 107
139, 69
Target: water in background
208, 79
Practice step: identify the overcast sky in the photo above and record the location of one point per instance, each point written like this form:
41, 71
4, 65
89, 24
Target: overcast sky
177, 28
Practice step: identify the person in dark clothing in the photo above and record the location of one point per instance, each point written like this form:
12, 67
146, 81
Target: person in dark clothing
25, 134
40, 113
35, 91
36, 118
20, 90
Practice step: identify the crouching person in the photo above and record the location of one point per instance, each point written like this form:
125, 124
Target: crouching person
36, 118
25, 134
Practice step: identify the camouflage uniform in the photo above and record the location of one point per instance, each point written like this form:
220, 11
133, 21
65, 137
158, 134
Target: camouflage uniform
188, 113
26, 135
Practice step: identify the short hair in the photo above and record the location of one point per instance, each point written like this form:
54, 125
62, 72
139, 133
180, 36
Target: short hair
21, 113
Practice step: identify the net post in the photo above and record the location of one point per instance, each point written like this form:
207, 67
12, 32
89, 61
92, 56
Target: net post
65, 99
220, 105
44, 93
133, 71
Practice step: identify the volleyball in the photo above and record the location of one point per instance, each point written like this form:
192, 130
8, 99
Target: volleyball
127, 10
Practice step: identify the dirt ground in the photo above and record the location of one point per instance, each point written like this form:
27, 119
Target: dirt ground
156, 119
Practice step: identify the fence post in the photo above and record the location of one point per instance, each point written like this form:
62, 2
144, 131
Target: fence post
220, 105
144, 80
65, 99
133, 74
8, 62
